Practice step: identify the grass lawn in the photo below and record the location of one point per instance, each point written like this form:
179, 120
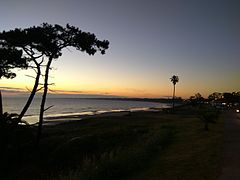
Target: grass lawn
141, 145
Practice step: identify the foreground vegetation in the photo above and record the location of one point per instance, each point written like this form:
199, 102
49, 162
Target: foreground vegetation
141, 145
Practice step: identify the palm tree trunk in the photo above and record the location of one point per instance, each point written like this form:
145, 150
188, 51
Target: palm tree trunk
173, 97
42, 107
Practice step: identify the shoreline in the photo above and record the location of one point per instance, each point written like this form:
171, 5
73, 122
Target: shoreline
55, 120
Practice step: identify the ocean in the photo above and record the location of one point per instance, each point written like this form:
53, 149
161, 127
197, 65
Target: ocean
74, 106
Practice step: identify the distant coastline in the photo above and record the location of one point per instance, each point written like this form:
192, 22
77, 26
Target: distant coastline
102, 97
161, 100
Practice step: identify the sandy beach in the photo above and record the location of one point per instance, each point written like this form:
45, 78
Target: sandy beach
78, 117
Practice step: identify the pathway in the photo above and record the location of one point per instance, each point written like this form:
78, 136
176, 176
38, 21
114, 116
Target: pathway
231, 161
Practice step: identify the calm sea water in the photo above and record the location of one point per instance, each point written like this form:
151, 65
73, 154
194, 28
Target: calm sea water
74, 106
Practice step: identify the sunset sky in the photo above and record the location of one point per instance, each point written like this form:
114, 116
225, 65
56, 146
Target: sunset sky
150, 40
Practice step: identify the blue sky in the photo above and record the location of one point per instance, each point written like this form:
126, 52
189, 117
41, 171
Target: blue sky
150, 40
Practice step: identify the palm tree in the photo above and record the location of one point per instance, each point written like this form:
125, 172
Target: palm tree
174, 79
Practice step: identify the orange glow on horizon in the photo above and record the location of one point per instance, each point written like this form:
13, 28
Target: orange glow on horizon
112, 86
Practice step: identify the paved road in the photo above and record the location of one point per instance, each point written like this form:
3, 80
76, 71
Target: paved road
231, 162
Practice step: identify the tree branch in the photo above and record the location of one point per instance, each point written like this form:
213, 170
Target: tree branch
48, 108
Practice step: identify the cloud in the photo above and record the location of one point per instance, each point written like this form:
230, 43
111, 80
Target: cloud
6, 89
57, 91
9, 88
80, 94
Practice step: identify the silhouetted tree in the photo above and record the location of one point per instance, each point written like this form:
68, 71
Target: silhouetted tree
215, 96
58, 38
21, 46
226, 97
174, 79
10, 58
44, 44
197, 99
236, 96
229, 97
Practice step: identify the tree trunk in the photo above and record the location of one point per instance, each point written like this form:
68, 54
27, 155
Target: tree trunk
34, 90
1, 106
173, 99
42, 107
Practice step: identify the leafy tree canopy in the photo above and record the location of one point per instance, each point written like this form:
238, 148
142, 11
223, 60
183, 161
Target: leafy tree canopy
11, 58
49, 40
174, 79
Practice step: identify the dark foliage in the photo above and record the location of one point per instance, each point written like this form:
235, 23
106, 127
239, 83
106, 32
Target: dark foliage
14, 137
226, 97
10, 58
197, 99
49, 40
9, 122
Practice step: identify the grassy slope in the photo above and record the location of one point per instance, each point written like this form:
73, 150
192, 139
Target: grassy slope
195, 154
138, 146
